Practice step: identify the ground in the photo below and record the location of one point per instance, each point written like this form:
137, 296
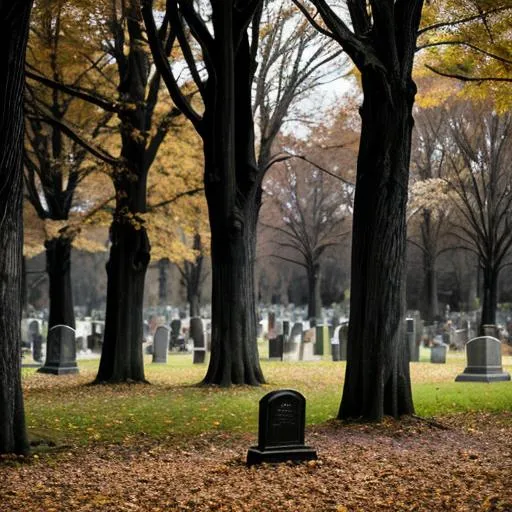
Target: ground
461, 464
174, 446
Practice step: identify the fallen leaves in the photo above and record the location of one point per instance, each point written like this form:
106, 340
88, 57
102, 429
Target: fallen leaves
392, 466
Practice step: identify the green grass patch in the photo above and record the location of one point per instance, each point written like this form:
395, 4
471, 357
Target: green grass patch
66, 410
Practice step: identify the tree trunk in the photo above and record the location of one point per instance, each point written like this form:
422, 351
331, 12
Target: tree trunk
163, 271
194, 277
234, 358
121, 354
490, 297
314, 298
233, 195
431, 309
58, 267
377, 379
14, 23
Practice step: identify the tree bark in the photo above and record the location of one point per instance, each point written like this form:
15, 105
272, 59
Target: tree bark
377, 379
233, 195
14, 23
234, 358
163, 270
314, 298
490, 297
58, 267
121, 354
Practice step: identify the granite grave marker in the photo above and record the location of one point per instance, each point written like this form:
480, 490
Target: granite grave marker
282, 416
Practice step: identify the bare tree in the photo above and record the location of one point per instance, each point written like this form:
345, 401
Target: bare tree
480, 183
428, 160
312, 211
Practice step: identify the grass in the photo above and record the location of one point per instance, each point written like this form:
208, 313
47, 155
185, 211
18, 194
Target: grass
68, 411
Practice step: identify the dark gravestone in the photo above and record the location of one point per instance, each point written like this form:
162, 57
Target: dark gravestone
36, 341
175, 333
343, 337
161, 344
276, 347
282, 417
60, 351
413, 346
484, 361
197, 335
319, 340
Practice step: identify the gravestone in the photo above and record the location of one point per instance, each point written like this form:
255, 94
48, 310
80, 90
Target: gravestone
161, 344
175, 333
343, 337
36, 341
413, 346
319, 340
438, 354
484, 361
271, 333
282, 416
293, 342
276, 347
197, 335
335, 344
60, 351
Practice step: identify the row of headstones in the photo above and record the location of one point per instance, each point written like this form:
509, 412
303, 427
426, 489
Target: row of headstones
300, 344
163, 341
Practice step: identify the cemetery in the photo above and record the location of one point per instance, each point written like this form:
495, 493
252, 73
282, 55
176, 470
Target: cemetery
255, 256
269, 448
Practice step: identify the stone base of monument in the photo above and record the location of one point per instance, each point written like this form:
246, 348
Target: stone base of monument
470, 375
484, 361
60, 351
281, 454
59, 369
199, 355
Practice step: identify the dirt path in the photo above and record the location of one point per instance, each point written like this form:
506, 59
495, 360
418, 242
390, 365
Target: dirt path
387, 467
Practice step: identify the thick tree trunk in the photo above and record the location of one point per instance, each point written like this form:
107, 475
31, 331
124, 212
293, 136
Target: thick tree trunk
58, 267
377, 379
490, 297
314, 298
121, 355
233, 195
234, 358
14, 23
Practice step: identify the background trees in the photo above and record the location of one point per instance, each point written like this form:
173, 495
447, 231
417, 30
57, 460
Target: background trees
14, 21
480, 185
308, 200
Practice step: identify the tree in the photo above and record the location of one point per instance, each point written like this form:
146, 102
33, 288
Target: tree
217, 60
54, 165
294, 60
382, 45
429, 205
124, 61
480, 184
231, 177
14, 21
472, 46
307, 205
311, 211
